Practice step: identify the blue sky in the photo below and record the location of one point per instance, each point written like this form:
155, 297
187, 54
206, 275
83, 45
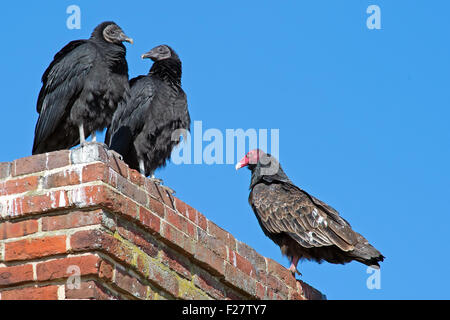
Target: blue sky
363, 114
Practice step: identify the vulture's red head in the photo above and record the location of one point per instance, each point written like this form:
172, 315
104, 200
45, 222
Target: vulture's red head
250, 159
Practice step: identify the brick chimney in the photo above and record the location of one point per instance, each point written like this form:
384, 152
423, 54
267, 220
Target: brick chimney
80, 224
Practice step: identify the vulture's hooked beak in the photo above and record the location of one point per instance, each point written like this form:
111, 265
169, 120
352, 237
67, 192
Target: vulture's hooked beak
243, 163
124, 37
149, 55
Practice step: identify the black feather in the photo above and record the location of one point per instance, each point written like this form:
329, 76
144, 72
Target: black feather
142, 126
82, 85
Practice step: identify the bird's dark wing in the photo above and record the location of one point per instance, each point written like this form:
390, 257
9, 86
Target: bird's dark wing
285, 209
131, 114
62, 83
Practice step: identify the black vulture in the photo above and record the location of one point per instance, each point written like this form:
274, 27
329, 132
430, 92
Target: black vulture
301, 225
81, 89
147, 126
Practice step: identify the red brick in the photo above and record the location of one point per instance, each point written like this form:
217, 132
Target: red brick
149, 220
309, 292
137, 178
29, 164
95, 172
106, 271
156, 207
257, 260
140, 239
209, 260
180, 222
17, 229
61, 268
37, 204
241, 263
61, 179
212, 243
58, 159
33, 293
150, 188
130, 284
16, 274
91, 290
15, 186
281, 272
119, 166
209, 284
260, 290
89, 240
221, 234
177, 262
181, 207
177, 239
162, 278
240, 280
72, 220
35, 248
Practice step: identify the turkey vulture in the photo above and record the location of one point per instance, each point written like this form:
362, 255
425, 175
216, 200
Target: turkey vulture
143, 126
301, 225
81, 89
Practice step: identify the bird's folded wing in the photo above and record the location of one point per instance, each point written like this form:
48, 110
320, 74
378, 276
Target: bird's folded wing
62, 83
293, 212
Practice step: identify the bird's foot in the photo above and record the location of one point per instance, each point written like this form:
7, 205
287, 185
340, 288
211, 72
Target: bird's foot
156, 180
293, 269
114, 154
160, 183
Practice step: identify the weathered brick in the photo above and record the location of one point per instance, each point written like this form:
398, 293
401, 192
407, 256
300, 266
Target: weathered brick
177, 262
140, 239
150, 221
10, 230
72, 220
177, 239
221, 234
5, 170
162, 278
209, 284
156, 207
196, 217
309, 292
16, 274
240, 280
67, 177
91, 290
241, 263
257, 260
58, 159
35, 248
137, 178
212, 243
95, 172
66, 267
15, 186
89, 240
34, 204
32, 293
130, 284
29, 165
119, 166
209, 260
281, 272
180, 222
